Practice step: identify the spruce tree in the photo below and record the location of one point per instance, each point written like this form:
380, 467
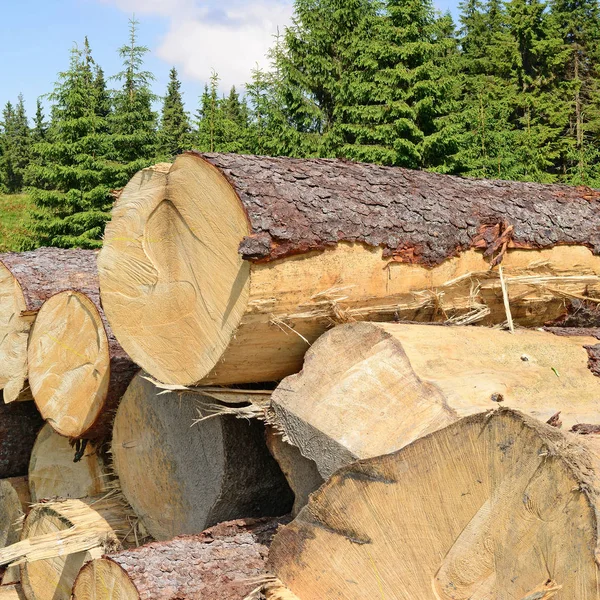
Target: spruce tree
40, 126
210, 117
70, 179
101, 94
16, 146
175, 132
133, 122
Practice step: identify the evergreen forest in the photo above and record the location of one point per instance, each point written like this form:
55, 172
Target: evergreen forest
510, 91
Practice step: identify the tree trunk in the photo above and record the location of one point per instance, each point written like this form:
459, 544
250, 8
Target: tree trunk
368, 389
53, 472
223, 563
496, 505
19, 425
301, 473
59, 537
181, 477
226, 268
14, 504
78, 372
27, 280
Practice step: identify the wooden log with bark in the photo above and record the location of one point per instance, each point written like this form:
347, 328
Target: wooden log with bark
225, 562
368, 389
225, 268
19, 426
181, 477
59, 537
27, 280
78, 372
54, 471
495, 505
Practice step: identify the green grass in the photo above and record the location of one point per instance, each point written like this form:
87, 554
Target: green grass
15, 220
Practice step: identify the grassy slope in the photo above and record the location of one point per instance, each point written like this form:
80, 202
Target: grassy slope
14, 220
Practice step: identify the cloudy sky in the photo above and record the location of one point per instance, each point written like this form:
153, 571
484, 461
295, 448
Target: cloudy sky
196, 36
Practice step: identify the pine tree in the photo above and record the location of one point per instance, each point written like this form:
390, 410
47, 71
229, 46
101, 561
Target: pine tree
175, 131
16, 146
133, 122
70, 179
40, 127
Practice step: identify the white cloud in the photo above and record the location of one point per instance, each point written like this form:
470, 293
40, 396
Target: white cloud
230, 37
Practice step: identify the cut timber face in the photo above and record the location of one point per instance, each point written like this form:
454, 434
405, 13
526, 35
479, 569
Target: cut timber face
14, 504
492, 506
372, 388
53, 474
188, 309
182, 477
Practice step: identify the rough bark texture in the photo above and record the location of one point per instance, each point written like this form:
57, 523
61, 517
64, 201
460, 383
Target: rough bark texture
222, 563
19, 426
295, 206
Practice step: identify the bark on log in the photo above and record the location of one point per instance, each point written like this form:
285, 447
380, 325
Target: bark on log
224, 269
19, 425
301, 473
59, 537
181, 478
78, 372
14, 504
371, 388
27, 280
493, 506
222, 563
53, 473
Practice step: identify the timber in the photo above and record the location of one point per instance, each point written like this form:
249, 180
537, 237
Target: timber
368, 389
181, 477
14, 505
11, 592
53, 472
59, 537
19, 425
225, 269
78, 372
27, 280
496, 505
223, 563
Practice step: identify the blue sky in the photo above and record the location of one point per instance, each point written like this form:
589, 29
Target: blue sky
196, 36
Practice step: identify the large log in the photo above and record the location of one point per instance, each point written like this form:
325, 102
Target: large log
222, 563
54, 473
19, 425
27, 280
181, 478
494, 506
224, 269
14, 505
78, 372
372, 388
59, 537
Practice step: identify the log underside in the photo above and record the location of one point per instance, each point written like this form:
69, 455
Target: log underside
368, 389
181, 478
223, 563
503, 502
27, 280
77, 370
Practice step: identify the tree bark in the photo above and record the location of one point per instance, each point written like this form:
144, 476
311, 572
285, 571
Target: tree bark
181, 477
471, 511
27, 280
225, 562
19, 425
53, 472
78, 372
368, 389
301, 244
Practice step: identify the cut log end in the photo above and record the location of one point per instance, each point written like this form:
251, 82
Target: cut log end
491, 495
179, 300
14, 504
104, 579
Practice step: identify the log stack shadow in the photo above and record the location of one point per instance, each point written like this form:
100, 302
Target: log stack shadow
306, 380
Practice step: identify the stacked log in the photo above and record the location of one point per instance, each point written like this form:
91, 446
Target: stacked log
14, 505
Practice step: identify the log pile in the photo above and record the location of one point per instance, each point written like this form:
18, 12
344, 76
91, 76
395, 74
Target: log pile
291, 379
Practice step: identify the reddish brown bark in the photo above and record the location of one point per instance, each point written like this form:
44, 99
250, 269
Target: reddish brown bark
222, 563
296, 206
20, 423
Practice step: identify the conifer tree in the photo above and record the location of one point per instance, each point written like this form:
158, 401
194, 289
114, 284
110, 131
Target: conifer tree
16, 146
40, 127
175, 131
133, 122
70, 179
102, 96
